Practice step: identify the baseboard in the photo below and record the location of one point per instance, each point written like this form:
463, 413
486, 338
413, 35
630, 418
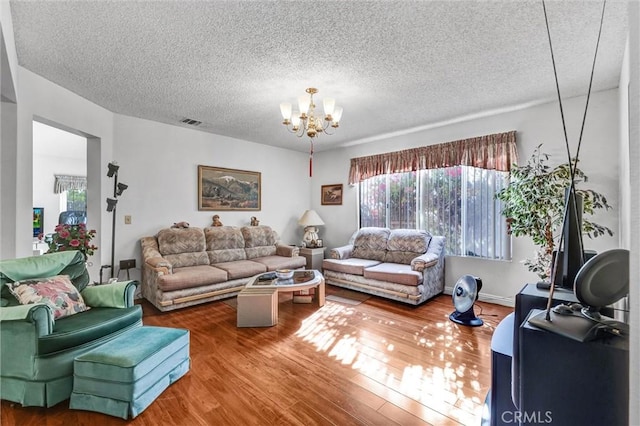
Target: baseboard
489, 298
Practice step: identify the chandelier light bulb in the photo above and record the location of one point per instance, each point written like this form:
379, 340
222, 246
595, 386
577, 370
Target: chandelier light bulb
337, 115
329, 105
285, 109
295, 120
303, 103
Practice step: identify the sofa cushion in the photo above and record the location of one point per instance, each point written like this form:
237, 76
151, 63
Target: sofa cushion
57, 292
191, 276
76, 330
256, 236
188, 259
395, 273
259, 241
229, 255
241, 268
371, 243
181, 240
352, 265
280, 262
404, 245
223, 238
224, 244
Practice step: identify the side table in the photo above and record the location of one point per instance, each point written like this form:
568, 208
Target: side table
314, 257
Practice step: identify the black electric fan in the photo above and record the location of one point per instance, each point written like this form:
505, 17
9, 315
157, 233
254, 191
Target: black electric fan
465, 294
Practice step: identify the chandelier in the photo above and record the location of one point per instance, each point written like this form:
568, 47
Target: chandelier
306, 122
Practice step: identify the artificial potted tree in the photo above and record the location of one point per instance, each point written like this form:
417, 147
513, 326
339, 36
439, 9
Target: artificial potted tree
534, 203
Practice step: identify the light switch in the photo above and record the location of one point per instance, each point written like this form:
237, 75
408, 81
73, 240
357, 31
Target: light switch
127, 219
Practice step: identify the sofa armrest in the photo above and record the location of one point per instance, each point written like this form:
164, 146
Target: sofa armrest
433, 256
152, 257
114, 295
160, 265
343, 252
424, 261
17, 317
287, 251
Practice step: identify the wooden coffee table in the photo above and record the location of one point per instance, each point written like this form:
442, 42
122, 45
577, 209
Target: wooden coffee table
258, 301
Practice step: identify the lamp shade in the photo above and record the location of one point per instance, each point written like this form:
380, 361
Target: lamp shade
337, 114
310, 218
295, 120
329, 104
285, 109
303, 103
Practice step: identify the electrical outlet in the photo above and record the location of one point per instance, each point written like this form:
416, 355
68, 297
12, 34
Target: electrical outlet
127, 219
127, 264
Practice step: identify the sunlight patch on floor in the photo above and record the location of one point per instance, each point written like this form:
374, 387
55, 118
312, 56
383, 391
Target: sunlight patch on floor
450, 390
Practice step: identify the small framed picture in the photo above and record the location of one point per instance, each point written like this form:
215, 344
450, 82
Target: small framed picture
331, 195
318, 243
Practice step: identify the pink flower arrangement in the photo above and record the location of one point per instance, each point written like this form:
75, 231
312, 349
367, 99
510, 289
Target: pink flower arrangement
73, 237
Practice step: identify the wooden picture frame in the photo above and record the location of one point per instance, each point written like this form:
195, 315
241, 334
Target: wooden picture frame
228, 189
331, 195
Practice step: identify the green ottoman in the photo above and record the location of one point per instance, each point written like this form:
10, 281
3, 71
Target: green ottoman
125, 375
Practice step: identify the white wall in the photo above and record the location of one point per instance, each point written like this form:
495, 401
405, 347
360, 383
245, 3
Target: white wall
534, 125
8, 132
160, 162
49, 103
633, 72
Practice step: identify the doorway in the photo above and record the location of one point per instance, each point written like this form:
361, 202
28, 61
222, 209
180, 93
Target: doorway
59, 177
63, 181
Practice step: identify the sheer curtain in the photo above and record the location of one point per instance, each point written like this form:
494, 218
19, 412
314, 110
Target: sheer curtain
447, 189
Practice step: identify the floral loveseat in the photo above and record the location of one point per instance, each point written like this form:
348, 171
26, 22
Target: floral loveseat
401, 264
186, 266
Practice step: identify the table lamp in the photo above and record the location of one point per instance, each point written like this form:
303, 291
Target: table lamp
310, 220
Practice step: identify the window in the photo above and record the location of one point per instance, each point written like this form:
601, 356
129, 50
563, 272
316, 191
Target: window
76, 200
456, 202
73, 192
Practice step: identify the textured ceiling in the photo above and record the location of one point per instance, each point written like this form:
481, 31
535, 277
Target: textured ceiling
393, 65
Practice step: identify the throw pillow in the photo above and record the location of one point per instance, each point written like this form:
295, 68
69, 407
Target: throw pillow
57, 292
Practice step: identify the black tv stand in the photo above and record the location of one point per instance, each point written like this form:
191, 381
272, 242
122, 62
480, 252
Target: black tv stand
538, 372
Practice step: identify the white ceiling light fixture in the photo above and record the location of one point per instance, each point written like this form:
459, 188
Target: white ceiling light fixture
307, 122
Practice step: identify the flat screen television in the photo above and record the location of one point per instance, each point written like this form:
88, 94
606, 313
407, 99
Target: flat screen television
38, 221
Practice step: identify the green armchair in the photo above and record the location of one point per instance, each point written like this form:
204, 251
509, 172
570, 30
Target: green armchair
36, 350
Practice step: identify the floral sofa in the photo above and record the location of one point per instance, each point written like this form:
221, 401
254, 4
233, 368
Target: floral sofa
400, 264
186, 266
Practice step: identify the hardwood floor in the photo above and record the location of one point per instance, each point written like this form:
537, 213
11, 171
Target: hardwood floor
377, 363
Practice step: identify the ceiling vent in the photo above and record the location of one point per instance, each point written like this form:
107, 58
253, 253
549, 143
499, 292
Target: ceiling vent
191, 122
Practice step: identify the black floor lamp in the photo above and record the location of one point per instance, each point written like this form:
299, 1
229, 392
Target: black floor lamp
118, 189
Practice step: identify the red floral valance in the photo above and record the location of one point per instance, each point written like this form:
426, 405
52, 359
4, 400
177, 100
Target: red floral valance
492, 152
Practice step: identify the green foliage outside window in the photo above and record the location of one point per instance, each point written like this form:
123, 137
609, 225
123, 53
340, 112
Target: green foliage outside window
76, 200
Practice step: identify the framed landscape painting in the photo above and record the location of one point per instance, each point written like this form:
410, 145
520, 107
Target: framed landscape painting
228, 189
331, 195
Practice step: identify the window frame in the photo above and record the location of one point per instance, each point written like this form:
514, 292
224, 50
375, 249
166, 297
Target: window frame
499, 249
